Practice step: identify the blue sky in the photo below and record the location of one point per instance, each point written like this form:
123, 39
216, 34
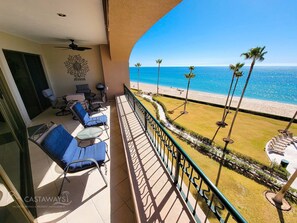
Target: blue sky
216, 32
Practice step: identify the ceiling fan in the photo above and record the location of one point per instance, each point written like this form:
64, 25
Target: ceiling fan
73, 46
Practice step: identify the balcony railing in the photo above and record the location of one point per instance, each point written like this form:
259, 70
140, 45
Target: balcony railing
193, 185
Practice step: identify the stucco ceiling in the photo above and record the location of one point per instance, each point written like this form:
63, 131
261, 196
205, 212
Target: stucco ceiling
37, 20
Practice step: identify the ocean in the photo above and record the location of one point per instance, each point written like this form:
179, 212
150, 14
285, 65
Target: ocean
266, 83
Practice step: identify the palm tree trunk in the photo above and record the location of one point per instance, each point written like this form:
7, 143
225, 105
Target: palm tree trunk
138, 81
229, 106
241, 97
158, 79
290, 123
187, 95
231, 84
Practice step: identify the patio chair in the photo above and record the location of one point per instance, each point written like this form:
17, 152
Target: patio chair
57, 103
98, 103
84, 88
63, 148
85, 119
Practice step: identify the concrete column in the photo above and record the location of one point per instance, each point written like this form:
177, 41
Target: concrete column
116, 73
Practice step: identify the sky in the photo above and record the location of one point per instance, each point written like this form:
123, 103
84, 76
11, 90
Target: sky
217, 32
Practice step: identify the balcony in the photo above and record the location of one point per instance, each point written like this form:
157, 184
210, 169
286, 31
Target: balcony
150, 178
85, 198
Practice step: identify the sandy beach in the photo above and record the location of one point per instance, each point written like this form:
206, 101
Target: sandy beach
268, 107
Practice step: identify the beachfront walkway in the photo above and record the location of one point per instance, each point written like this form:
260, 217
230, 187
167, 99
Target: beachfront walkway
268, 107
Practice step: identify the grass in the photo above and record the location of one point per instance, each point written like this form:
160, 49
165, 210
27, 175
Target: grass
250, 132
246, 195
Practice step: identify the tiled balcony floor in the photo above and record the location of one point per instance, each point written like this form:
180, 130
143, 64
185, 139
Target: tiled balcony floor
85, 197
156, 197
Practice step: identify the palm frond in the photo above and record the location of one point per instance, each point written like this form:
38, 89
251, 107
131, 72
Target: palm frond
159, 61
191, 68
190, 75
246, 55
138, 65
256, 53
238, 74
236, 67
239, 65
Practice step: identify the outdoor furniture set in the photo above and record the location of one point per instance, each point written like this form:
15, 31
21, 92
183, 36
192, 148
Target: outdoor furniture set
67, 151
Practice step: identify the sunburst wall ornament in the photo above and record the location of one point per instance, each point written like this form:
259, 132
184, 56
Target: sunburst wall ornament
77, 66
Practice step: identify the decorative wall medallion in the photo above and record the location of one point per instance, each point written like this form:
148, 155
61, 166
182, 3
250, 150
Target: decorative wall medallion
77, 66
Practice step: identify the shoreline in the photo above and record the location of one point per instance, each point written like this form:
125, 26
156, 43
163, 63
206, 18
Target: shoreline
256, 105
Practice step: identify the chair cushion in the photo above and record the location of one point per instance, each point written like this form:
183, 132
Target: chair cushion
95, 151
83, 88
85, 119
95, 121
60, 146
63, 149
47, 93
83, 116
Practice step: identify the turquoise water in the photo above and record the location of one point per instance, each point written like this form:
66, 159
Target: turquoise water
266, 83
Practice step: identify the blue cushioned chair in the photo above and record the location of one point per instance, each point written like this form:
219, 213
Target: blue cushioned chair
85, 119
63, 148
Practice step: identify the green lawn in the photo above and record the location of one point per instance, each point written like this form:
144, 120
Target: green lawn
246, 195
250, 132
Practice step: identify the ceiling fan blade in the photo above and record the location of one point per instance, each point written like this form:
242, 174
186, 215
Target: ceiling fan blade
81, 48
73, 46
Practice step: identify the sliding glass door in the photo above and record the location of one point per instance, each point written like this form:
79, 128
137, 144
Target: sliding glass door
29, 77
14, 150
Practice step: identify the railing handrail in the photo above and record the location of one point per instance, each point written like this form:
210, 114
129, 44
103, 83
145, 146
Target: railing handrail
208, 182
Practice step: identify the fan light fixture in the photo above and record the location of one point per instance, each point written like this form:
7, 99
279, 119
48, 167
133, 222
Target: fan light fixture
61, 14
73, 46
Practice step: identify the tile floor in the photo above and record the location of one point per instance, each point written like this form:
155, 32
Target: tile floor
157, 198
84, 199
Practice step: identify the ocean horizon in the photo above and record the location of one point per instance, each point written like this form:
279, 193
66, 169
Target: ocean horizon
269, 83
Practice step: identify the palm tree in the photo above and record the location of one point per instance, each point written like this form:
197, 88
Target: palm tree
138, 65
286, 130
159, 61
254, 54
189, 77
235, 68
238, 74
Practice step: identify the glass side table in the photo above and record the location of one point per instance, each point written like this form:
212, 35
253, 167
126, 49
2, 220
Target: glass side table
89, 134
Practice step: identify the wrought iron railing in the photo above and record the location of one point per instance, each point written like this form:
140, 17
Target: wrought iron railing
194, 186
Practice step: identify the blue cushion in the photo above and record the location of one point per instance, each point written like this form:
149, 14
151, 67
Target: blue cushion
57, 143
63, 149
98, 120
85, 119
95, 151
81, 112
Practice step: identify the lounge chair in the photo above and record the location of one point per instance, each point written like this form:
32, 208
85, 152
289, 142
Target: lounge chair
98, 103
56, 102
85, 119
63, 148
84, 88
